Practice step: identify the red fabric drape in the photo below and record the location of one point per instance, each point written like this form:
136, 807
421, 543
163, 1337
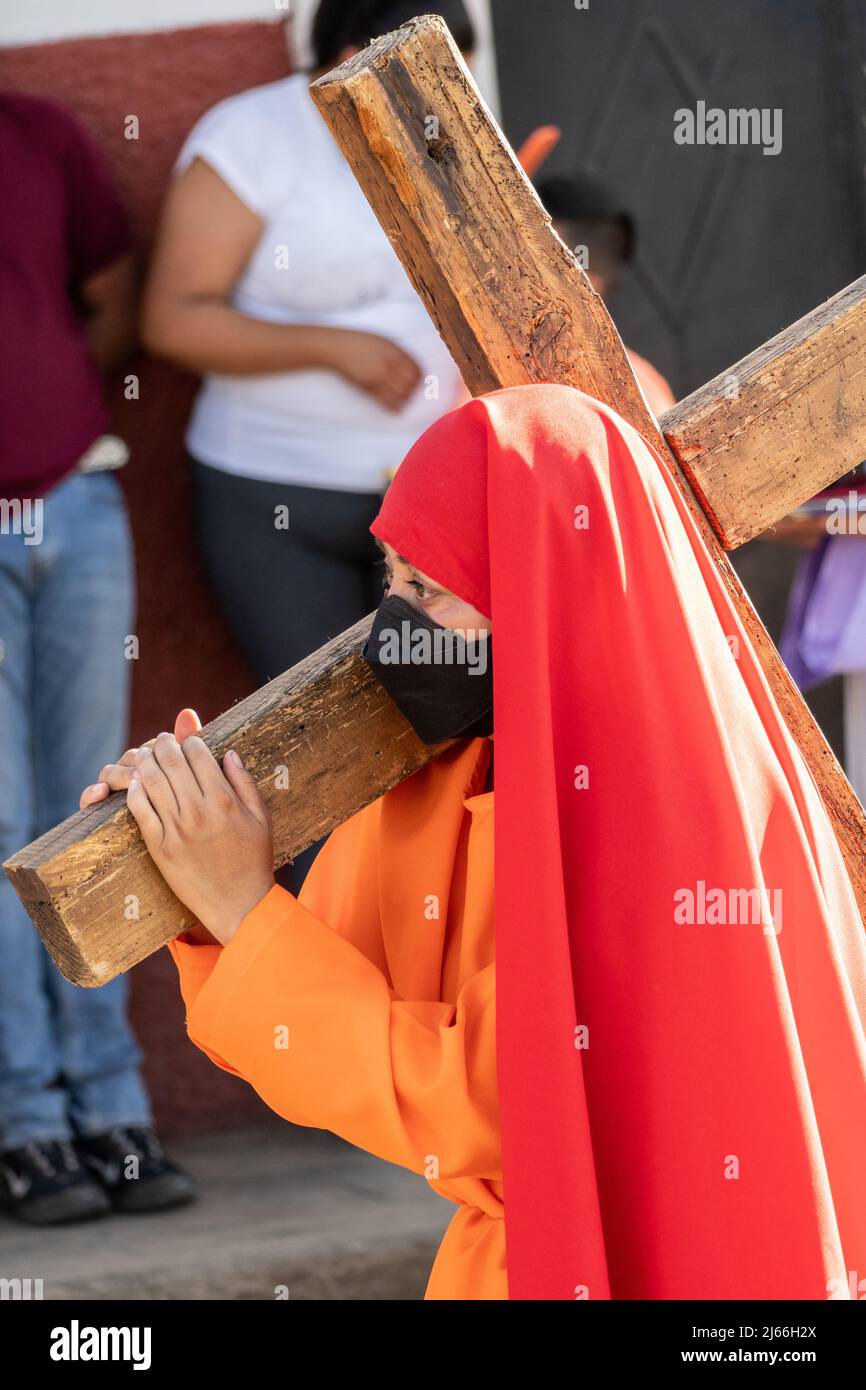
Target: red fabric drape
681, 1062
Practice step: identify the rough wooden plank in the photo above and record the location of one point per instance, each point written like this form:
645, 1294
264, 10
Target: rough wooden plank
322, 741
513, 306
747, 440
505, 293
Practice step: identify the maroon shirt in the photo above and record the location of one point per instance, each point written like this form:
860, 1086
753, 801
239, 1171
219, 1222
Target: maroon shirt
61, 221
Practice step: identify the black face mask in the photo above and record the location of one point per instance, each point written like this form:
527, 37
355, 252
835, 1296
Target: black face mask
442, 696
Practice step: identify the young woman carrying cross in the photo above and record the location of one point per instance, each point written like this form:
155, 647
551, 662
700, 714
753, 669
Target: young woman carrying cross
622, 1104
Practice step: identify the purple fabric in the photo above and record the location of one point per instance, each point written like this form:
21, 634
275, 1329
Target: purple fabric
825, 628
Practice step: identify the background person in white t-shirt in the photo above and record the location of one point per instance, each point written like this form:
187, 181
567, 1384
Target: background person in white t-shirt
273, 280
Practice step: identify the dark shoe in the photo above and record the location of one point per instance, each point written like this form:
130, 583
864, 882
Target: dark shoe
130, 1164
45, 1184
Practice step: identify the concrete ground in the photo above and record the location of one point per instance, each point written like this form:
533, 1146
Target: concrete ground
280, 1207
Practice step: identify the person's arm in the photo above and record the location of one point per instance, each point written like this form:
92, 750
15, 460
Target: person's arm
206, 238
659, 396
805, 531
99, 246
287, 1000
294, 1008
109, 298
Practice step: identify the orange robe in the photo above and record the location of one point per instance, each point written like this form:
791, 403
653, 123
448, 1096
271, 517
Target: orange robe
365, 1006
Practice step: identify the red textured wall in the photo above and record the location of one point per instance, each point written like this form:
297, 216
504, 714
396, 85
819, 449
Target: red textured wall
186, 655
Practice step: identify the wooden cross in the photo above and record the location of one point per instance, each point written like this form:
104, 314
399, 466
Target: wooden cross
513, 306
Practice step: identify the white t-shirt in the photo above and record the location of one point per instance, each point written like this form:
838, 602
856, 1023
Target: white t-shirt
322, 259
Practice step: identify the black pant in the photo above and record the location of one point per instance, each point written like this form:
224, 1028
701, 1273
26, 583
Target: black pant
286, 589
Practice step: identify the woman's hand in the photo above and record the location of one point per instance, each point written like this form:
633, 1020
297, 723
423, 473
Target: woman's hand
208, 831
116, 777
376, 365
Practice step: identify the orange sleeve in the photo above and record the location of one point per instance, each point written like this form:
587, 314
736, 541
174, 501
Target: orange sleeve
295, 1008
195, 963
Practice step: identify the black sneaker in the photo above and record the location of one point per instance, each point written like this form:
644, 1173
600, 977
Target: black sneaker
45, 1184
131, 1165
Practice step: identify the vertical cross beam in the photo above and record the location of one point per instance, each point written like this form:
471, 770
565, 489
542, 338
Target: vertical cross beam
508, 297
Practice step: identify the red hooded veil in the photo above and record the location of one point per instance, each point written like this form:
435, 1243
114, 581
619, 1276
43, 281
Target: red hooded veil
680, 962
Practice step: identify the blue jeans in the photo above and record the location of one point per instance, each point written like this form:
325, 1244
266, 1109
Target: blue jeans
68, 1060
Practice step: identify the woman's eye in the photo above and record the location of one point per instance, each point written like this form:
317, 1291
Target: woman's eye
425, 595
